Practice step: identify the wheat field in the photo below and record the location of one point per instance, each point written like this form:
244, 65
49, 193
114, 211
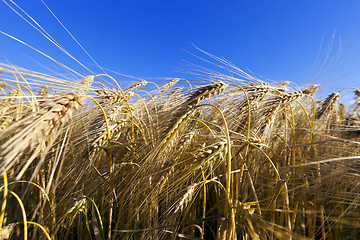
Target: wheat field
225, 155
222, 158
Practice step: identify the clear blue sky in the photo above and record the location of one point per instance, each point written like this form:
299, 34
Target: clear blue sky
280, 40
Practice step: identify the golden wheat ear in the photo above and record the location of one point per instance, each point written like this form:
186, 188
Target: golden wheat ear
205, 92
170, 84
311, 90
35, 129
114, 95
136, 86
328, 105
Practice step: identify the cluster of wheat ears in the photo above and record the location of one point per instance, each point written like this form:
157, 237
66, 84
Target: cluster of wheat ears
223, 158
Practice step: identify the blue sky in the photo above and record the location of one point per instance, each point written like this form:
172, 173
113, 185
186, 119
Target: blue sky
279, 40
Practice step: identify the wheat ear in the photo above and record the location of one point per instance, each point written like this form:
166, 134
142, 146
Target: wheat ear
114, 95
311, 90
169, 84
327, 105
36, 128
136, 85
205, 92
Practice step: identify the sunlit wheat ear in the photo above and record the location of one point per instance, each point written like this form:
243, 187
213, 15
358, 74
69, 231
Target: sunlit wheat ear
170, 84
328, 105
117, 114
136, 85
115, 126
292, 96
205, 92
252, 140
164, 179
206, 155
186, 198
279, 102
34, 130
187, 139
270, 109
114, 100
255, 87
257, 91
180, 118
114, 95
310, 90
213, 150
